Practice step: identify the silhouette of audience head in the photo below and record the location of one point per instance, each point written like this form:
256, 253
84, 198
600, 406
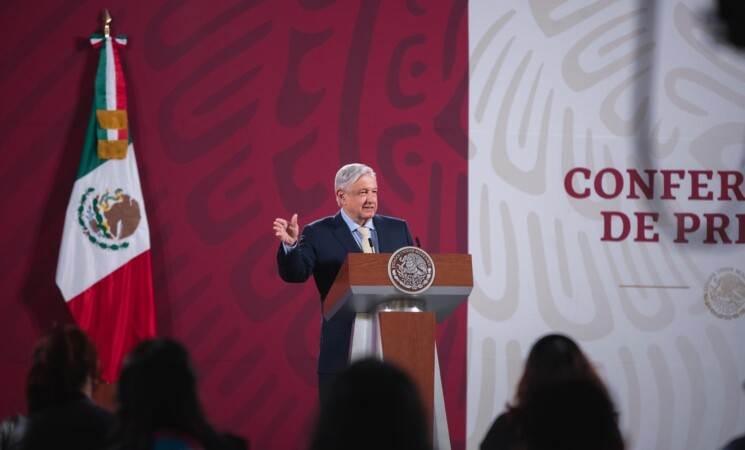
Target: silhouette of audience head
158, 389
64, 365
63, 370
553, 358
371, 405
158, 400
561, 402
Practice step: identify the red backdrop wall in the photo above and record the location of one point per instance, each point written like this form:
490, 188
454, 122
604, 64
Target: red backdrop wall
241, 111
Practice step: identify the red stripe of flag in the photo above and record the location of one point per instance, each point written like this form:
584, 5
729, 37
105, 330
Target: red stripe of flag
118, 312
121, 89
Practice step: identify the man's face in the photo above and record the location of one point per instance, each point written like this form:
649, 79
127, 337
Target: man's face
360, 200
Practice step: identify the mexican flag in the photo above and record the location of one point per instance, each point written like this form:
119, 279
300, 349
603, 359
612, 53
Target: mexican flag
104, 269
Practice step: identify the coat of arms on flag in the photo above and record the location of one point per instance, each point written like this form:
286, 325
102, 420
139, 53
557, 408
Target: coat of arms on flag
103, 269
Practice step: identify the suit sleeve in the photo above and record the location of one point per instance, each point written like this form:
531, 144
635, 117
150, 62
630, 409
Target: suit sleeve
297, 265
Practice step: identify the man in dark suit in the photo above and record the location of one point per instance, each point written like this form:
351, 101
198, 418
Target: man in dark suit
324, 245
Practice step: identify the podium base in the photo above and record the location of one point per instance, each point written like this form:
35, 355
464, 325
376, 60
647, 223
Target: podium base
406, 339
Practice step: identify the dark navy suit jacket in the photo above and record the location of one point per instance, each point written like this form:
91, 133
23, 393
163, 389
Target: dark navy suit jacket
322, 249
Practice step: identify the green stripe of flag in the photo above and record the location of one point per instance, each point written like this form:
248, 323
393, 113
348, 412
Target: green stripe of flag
89, 161
100, 99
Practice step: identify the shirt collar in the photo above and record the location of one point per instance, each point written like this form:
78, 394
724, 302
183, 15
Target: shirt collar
352, 224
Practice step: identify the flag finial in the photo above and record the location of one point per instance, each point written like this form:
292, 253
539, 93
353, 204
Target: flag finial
105, 21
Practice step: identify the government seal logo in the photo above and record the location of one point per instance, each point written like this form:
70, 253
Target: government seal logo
724, 293
107, 220
411, 270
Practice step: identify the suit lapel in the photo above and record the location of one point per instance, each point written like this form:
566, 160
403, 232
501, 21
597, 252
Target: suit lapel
342, 233
384, 238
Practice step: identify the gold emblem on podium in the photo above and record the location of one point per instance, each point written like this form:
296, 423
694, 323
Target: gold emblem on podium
411, 270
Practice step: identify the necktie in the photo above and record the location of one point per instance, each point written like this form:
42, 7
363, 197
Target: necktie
365, 233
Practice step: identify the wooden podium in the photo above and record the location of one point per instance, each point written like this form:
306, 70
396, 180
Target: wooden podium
397, 326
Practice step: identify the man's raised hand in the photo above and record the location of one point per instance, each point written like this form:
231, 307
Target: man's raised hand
287, 232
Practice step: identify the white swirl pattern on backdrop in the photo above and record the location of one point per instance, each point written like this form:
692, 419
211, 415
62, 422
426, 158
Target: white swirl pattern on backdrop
557, 85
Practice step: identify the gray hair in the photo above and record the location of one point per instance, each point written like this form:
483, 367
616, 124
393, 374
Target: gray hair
349, 174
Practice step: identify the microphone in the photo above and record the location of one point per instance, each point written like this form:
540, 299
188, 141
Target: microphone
417, 242
371, 244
